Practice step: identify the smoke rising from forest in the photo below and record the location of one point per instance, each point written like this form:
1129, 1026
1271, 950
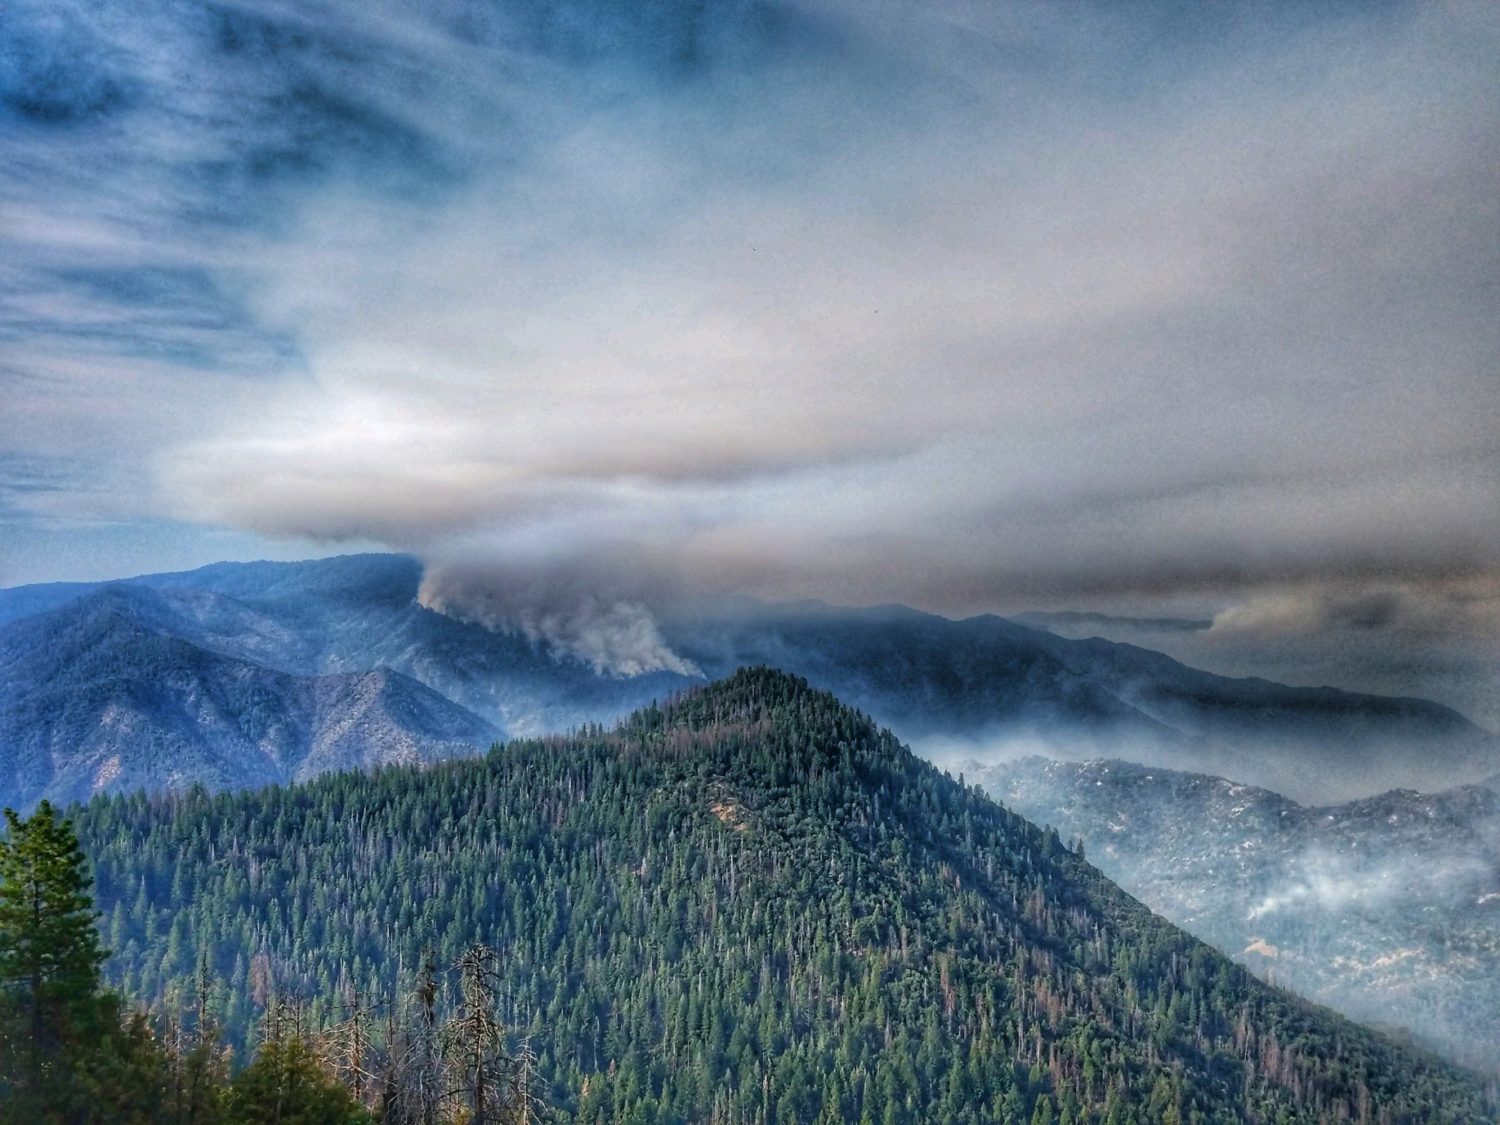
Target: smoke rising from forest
861, 302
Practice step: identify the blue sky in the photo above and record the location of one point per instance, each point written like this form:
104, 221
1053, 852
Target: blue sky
973, 306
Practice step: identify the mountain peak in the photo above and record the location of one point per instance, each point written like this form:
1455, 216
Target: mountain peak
748, 692
756, 862
738, 728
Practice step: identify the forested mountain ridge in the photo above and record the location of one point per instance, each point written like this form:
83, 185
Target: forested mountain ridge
98, 696
1387, 908
958, 687
748, 903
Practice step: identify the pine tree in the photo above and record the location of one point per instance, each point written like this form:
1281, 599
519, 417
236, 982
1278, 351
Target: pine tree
285, 1086
50, 959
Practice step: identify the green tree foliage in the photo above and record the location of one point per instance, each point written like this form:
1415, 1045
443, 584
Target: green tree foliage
50, 958
73, 1057
287, 1085
749, 904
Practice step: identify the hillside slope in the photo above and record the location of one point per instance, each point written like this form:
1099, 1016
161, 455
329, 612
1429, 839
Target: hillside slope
1387, 908
747, 904
96, 696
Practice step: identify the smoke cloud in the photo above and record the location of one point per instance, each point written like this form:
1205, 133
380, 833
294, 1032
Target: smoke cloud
614, 634
1340, 883
972, 307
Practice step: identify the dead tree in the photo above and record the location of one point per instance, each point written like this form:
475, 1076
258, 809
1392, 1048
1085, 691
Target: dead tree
417, 1081
476, 1041
525, 1106
348, 1048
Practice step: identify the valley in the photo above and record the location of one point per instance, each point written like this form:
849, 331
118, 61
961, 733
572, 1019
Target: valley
1386, 908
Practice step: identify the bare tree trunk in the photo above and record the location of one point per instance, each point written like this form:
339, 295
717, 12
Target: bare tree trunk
478, 1037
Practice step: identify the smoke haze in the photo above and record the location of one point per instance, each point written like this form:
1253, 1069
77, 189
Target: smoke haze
974, 307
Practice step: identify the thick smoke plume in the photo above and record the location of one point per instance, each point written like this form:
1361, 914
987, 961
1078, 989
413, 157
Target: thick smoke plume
615, 635
973, 307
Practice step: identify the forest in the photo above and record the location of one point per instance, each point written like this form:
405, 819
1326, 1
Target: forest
745, 904
72, 1051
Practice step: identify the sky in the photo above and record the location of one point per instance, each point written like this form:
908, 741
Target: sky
1147, 309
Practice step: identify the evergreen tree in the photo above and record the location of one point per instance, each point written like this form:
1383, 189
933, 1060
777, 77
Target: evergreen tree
286, 1086
50, 959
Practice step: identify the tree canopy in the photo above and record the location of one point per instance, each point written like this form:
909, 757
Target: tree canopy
748, 903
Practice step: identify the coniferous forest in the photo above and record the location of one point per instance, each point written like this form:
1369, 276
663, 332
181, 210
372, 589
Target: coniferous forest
71, 1051
735, 433
748, 904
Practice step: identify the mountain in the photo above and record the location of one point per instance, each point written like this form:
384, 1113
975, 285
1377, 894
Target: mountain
1387, 908
355, 613
925, 675
968, 688
748, 903
101, 694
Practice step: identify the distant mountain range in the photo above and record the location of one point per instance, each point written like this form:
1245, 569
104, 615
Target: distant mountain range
1387, 908
86, 702
102, 694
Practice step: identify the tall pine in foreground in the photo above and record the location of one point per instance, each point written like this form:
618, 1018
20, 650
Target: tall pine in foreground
50, 959
70, 1054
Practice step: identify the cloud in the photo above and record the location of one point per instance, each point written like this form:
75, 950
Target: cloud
1433, 610
957, 305
1435, 636
1438, 638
